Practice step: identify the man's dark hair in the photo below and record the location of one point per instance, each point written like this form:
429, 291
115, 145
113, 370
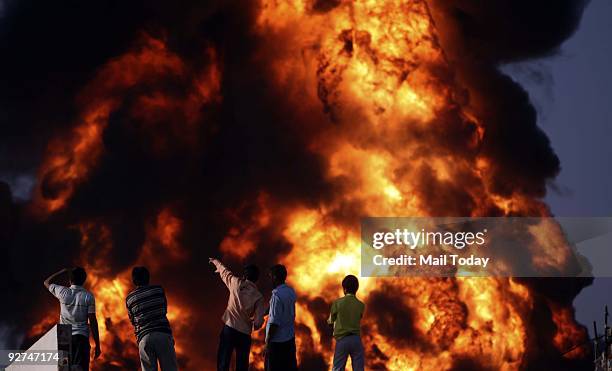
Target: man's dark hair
279, 272
140, 276
350, 284
251, 272
77, 276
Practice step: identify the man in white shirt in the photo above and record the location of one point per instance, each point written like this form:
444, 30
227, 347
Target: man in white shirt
245, 311
77, 307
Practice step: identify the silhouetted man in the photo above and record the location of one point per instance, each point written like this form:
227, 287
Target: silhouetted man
280, 332
244, 312
77, 307
345, 317
147, 308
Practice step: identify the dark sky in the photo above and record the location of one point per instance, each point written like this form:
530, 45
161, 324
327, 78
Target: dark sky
573, 94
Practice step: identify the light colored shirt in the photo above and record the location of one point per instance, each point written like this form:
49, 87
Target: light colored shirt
346, 314
245, 306
76, 304
282, 314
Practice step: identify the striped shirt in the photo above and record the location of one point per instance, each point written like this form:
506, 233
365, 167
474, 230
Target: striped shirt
147, 307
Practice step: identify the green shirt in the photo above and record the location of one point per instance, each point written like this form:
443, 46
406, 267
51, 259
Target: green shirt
345, 315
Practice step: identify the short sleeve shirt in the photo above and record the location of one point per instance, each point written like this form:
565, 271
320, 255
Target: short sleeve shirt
76, 304
346, 314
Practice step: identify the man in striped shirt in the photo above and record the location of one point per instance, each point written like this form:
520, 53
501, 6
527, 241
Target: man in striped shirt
147, 307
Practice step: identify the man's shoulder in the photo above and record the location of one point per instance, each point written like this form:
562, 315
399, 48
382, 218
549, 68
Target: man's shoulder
284, 291
145, 290
349, 298
341, 301
289, 289
284, 288
257, 292
361, 304
250, 288
156, 288
79, 293
58, 290
55, 286
88, 295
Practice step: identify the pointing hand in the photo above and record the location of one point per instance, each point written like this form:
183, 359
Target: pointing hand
214, 262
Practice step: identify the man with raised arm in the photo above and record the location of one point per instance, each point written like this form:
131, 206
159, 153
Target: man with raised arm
280, 331
77, 308
244, 313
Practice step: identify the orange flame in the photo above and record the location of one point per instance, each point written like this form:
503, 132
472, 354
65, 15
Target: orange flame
70, 158
379, 72
110, 289
162, 247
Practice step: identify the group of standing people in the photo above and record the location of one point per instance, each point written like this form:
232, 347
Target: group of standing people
146, 306
245, 313
147, 309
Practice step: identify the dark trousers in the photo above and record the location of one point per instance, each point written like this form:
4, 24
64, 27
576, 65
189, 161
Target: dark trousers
281, 356
80, 351
229, 340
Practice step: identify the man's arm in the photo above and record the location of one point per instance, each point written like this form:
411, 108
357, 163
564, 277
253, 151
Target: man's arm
93, 324
226, 275
165, 302
271, 332
129, 311
274, 317
47, 282
260, 311
333, 314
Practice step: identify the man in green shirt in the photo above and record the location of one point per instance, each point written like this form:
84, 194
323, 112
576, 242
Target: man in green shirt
345, 317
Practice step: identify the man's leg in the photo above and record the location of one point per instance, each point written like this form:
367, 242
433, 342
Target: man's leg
292, 357
148, 357
80, 351
275, 357
226, 347
357, 354
272, 358
164, 348
281, 356
243, 349
340, 355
